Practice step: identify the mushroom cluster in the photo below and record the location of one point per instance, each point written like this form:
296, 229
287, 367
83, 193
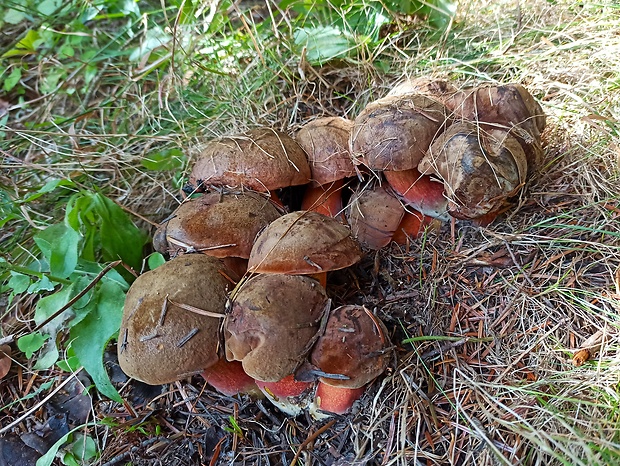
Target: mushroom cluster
244, 297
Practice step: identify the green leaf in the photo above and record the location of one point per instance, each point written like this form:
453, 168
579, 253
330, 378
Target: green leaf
119, 236
47, 7
26, 46
172, 159
29, 344
43, 387
155, 260
93, 333
59, 244
48, 458
12, 16
12, 79
19, 282
84, 448
44, 284
323, 43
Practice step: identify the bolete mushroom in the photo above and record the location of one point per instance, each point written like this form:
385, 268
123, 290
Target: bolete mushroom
326, 142
272, 322
353, 350
394, 133
219, 225
261, 159
508, 107
160, 340
303, 243
480, 169
374, 215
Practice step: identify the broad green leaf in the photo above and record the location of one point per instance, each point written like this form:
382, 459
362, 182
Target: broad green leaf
48, 356
12, 79
12, 16
155, 260
31, 343
28, 45
47, 7
59, 244
48, 458
84, 448
93, 269
154, 38
19, 282
323, 43
92, 334
119, 237
172, 159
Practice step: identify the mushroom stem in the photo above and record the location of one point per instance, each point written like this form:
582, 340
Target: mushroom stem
412, 226
419, 191
229, 378
326, 200
285, 387
337, 400
321, 277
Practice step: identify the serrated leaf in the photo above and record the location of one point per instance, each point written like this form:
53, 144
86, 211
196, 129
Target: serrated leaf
93, 333
59, 244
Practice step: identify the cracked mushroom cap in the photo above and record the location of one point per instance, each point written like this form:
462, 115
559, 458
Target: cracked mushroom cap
261, 159
508, 107
394, 133
355, 345
326, 141
479, 169
272, 323
219, 225
160, 342
302, 243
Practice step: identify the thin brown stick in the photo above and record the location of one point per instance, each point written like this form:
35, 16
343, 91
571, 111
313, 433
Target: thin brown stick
73, 300
310, 439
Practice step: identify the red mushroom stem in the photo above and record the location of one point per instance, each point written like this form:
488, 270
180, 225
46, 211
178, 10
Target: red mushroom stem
287, 387
337, 400
412, 226
326, 200
229, 378
419, 191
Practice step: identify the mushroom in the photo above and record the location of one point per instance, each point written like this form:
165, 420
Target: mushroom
261, 159
289, 395
353, 350
419, 191
229, 378
413, 225
480, 169
436, 88
508, 107
272, 322
394, 133
219, 225
160, 339
326, 141
374, 215
303, 243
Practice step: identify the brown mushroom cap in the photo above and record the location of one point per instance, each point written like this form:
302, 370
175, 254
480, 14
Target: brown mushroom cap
355, 344
480, 170
394, 133
436, 88
374, 215
326, 141
508, 107
262, 159
160, 342
302, 243
272, 322
220, 225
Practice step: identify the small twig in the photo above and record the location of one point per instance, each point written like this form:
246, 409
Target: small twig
310, 439
73, 300
197, 310
40, 403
